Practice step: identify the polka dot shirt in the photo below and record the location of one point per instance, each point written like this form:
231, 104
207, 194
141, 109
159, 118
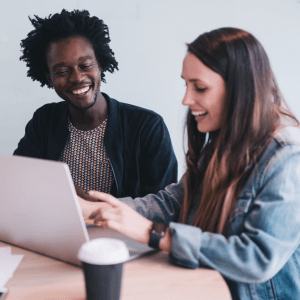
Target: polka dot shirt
86, 157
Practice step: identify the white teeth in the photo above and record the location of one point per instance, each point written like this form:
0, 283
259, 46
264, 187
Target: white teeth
81, 91
199, 113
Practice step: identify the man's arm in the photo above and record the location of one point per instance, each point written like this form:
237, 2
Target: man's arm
30, 144
158, 161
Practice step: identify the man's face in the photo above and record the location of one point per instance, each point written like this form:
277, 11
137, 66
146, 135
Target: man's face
74, 71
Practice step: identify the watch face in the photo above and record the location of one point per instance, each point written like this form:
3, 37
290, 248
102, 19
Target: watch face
159, 228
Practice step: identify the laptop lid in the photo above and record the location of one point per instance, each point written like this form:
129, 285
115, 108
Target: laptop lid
39, 210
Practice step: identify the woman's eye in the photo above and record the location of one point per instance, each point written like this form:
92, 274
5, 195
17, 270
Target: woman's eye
200, 90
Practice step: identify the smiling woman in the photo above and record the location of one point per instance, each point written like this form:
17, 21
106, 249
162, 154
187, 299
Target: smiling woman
236, 208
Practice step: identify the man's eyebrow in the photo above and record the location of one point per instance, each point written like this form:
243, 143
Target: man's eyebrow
83, 58
58, 65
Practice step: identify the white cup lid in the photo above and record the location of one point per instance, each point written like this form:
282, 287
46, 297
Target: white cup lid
103, 251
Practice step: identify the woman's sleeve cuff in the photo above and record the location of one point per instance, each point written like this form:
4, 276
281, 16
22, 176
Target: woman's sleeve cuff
186, 244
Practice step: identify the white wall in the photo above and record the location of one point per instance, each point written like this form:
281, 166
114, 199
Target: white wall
148, 38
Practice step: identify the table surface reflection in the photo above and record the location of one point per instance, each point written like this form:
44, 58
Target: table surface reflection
150, 277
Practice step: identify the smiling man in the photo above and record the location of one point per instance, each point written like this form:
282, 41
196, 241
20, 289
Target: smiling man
110, 146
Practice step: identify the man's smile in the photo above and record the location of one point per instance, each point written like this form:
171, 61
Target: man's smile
81, 91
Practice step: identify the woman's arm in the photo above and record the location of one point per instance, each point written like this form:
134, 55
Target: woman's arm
119, 216
268, 236
133, 217
163, 207
166, 242
116, 215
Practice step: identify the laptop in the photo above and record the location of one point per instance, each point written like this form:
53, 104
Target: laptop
39, 210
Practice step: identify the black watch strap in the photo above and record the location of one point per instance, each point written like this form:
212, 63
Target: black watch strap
157, 232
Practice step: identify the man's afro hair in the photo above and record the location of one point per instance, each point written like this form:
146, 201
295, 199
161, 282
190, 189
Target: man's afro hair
63, 25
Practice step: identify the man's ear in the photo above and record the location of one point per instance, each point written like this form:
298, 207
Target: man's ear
100, 71
49, 79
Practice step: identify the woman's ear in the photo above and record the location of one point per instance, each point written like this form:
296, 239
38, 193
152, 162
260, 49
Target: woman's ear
49, 79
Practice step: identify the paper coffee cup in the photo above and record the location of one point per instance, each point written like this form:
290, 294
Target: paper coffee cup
102, 260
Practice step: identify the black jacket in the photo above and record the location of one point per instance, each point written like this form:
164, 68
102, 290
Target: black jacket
136, 140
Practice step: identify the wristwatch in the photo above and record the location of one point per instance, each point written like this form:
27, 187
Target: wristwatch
157, 232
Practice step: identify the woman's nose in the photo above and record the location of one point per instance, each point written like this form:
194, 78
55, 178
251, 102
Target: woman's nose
187, 99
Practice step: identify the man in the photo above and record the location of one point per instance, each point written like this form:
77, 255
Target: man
109, 146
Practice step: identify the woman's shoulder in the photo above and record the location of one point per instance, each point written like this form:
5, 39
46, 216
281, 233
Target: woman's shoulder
288, 135
284, 149
285, 142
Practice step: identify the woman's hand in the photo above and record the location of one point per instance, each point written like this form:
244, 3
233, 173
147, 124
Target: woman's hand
120, 217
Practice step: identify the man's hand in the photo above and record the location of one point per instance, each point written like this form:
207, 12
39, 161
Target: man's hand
87, 207
82, 194
120, 217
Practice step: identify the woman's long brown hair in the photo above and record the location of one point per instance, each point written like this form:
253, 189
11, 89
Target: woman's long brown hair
218, 167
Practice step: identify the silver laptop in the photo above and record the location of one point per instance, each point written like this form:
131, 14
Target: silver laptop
39, 210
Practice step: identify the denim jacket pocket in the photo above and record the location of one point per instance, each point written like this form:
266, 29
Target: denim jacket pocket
235, 223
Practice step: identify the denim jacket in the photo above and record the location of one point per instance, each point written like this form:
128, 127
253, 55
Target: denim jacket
259, 256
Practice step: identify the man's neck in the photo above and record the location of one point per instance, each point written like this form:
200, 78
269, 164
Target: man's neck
90, 118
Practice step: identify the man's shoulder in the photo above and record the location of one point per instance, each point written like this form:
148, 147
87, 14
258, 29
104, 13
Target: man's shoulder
117, 108
52, 107
134, 111
51, 113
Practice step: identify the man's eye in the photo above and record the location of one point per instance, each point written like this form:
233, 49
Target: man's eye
60, 72
86, 67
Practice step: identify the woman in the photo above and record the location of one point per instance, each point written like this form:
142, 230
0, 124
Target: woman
237, 207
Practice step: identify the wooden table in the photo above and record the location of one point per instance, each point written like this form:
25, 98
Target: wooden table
151, 277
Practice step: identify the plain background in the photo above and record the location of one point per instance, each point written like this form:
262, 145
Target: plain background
148, 38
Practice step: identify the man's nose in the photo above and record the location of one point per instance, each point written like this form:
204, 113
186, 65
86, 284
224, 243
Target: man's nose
77, 76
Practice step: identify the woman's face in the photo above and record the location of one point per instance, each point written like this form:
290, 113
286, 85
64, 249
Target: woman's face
205, 94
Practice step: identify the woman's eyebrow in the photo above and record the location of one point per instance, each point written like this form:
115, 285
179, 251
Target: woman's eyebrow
194, 80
